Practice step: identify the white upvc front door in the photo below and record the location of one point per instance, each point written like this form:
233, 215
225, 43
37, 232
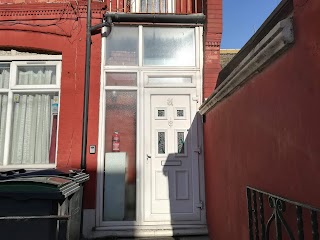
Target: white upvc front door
171, 163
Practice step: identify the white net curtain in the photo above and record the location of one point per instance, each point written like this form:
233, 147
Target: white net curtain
32, 121
36, 75
31, 129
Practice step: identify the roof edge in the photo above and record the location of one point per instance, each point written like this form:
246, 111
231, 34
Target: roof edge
279, 39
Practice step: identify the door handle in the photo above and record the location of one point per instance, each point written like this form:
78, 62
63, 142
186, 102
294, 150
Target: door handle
148, 157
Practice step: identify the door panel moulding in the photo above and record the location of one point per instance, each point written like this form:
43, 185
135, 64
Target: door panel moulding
275, 43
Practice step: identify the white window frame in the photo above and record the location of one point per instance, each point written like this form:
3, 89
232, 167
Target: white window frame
28, 60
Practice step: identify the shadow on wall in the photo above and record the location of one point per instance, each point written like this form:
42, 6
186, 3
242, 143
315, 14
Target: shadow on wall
171, 179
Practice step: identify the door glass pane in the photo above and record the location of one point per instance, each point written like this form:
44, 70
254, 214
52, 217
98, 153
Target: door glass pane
36, 75
161, 142
4, 75
122, 46
121, 79
120, 156
168, 46
34, 128
3, 118
180, 141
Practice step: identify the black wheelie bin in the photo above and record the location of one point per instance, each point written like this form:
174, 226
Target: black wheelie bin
42, 204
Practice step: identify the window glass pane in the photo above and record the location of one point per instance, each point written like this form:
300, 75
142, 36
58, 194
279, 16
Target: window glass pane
122, 46
121, 79
3, 118
169, 80
36, 75
168, 46
120, 156
153, 6
34, 128
4, 75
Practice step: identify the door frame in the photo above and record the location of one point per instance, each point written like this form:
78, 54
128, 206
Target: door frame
142, 72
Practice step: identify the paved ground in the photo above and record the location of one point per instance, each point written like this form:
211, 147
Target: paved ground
162, 238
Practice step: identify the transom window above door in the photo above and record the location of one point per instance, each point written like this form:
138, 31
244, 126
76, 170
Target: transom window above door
151, 46
29, 109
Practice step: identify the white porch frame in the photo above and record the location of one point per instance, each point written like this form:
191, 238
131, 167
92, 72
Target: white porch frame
196, 73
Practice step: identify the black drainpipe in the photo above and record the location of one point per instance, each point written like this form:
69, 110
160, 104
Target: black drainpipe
90, 32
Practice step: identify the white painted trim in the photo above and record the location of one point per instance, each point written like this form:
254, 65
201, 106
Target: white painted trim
140, 44
263, 54
120, 88
154, 231
28, 166
153, 68
200, 77
31, 58
100, 153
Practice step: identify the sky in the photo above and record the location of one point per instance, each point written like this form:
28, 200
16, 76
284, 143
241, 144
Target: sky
242, 18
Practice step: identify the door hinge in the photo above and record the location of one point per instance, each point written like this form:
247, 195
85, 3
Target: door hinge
198, 150
200, 205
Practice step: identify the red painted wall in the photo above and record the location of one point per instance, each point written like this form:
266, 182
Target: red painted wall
266, 135
66, 37
60, 27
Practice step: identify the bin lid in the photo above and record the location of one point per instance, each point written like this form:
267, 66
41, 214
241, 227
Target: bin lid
75, 174
38, 187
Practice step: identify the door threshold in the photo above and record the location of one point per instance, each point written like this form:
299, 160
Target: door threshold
152, 231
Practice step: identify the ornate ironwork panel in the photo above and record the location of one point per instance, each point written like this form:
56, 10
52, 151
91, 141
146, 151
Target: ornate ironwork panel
284, 216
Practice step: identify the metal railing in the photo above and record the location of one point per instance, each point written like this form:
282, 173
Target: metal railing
274, 217
155, 6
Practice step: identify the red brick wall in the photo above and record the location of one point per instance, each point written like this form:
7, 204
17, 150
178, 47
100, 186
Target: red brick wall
212, 39
66, 37
266, 134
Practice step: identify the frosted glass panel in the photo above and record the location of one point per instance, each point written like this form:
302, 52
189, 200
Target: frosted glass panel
36, 75
122, 46
121, 79
4, 75
161, 142
169, 80
168, 46
120, 178
180, 141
